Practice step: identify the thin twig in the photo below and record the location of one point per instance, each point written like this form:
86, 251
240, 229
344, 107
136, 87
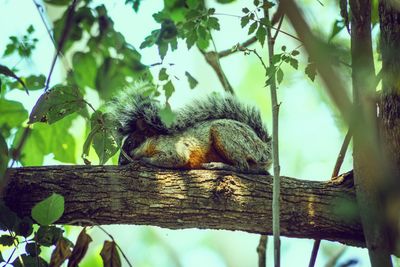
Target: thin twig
119, 248
63, 38
40, 10
227, 52
275, 150
212, 60
261, 251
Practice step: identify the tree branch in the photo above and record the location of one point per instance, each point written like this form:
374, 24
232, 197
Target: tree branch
137, 194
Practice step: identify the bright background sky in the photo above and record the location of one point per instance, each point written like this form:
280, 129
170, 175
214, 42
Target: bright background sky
311, 133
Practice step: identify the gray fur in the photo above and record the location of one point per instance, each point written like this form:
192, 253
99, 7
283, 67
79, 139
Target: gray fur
131, 105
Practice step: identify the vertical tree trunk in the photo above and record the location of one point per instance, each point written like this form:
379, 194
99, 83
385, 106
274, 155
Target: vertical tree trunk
389, 16
367, 159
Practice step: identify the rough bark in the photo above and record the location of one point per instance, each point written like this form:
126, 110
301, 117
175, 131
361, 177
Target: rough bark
137, 194
389, 16
368, 160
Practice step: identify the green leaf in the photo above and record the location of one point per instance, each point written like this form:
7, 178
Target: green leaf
3, 157
85, 69
35, 82
7, 72
253, 27
29, 261
162, 75
244, 21
168, 89
191, 39
48, 235
294, 63
311, 71
48, 210
57, 103
192, 4
6, 240
32, 249
192, 81
24, 227
245, 10
167, 116
102, 138
295, 53
162, 49
12, 113
202, 32
276, 58
260, 34
110, 78
45, 139
279, 75
213, 23
283, 48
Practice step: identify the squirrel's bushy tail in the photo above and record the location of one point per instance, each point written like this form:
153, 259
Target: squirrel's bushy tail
131, 107
216, 107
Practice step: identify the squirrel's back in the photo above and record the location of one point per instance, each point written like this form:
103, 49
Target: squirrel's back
131, 108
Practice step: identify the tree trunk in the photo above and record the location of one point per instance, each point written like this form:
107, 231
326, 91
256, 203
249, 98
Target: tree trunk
390, 108
136, 194
368, 160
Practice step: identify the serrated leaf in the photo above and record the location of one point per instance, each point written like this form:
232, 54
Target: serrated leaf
276, 58
3, 157
279, 75
29, 261
162, 49
202, 32
167, 116
295, 53
192, 81
7, 72
24, 227
109, 254
48, 235
6, 240
311, 71
61, 252
294, 63
48, 210
253, 27
162, 75
260, 34
213, 23
80, 248
32, 249
191, 39
103, 140
56, 103
168, 88
244, 21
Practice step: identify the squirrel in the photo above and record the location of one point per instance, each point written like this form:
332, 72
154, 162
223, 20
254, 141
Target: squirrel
212, 133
